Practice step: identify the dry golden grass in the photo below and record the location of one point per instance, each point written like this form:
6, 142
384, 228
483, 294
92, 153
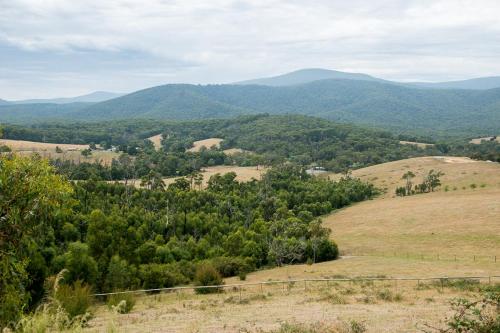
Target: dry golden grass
462, 221
243, 174
207, 143
70, 152
488, 138
418, 144
156, 140
381, 306
234, 151
31, 146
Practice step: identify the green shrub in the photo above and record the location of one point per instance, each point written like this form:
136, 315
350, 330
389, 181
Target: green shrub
207, 275
75, 299
232, 266
161, 276
121, 303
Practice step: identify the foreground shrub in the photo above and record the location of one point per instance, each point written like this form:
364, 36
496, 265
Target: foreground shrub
75, 298
121, 303
479, 316
207, 275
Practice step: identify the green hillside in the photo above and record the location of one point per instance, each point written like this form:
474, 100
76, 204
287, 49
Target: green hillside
412, 110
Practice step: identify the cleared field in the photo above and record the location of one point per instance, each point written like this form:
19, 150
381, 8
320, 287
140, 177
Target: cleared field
488, 138
418, 144
31, 146
156, 140
462, 218
70, 152
234, 151
382, 306
207, 143
243, 174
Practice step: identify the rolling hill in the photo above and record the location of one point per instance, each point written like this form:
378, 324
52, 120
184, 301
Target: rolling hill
355, 101
445, 112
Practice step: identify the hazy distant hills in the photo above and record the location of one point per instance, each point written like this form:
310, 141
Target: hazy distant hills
95, 97
314, 74
482, 83
352, 98
308, 75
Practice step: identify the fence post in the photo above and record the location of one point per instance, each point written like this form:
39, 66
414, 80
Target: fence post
261, 289
240, 292
474, 258
305, 285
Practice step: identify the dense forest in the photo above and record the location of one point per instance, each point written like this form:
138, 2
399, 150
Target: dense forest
438, 112
115, 237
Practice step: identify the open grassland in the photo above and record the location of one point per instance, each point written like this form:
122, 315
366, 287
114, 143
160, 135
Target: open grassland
380, 306
418, 144
156, 140
488, 138
207, 143
462, 218
70, 152
243, 174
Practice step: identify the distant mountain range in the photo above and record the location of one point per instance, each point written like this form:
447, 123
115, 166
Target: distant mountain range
95, 97
314, 74
339, 96
308, 75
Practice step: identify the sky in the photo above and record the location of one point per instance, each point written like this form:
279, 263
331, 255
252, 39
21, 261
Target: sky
58, 48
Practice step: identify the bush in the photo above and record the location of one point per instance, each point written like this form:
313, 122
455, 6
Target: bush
121, 303
75, 299
232, 266
161, 276
207, 275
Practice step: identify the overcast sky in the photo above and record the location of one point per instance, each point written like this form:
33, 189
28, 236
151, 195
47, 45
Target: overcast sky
53, 48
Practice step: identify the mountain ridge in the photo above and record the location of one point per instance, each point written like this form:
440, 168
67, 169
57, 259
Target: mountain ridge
93, 97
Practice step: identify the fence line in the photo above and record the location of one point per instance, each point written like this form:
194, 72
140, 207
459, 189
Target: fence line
289, 281
422, 256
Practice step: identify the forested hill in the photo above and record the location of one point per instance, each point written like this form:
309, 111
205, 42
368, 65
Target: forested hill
454, 112
356, 101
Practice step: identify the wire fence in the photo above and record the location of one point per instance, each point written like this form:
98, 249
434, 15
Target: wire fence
425, 256
286, 286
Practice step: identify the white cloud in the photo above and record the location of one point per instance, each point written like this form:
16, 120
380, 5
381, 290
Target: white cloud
84, 45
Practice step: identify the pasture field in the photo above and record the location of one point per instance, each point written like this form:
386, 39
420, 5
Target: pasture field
418, 144
207, 143
379, 306
71, 152
462, 218
243, 174
156, 140
488, 138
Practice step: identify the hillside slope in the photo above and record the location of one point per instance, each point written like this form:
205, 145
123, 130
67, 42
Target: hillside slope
411, 110
356, 101
460, 219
